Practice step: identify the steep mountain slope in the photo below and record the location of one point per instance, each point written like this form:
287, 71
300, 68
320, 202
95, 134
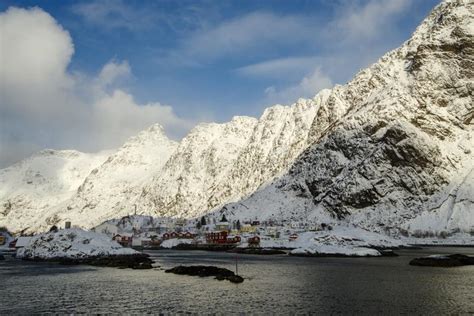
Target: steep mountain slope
219, 163
399, 155
31, 187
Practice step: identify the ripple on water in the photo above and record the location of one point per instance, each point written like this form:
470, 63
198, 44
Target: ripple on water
282, 285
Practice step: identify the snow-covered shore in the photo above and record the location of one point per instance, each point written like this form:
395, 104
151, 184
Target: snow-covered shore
343, 251
171, 243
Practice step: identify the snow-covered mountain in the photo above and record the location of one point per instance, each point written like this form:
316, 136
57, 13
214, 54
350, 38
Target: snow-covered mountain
218, 163
393, 149
31, 188
389, 151
111, 189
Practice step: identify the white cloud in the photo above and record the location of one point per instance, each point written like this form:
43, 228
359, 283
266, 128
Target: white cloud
43, 105
117, 116
280, 67
307, 87
115, 14
356, 22
256, 32
34, 55
112, 72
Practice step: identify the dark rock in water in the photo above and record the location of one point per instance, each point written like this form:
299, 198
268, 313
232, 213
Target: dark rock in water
2, 257
135, 261
236, 279
206, 271
258, 251
454, 260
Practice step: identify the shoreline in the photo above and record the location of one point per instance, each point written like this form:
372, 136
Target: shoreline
134, 261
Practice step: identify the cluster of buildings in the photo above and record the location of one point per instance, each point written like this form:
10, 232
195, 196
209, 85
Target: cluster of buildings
130, 232
148, 232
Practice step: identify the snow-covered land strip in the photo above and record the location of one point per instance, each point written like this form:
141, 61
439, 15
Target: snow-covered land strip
72, 244
459, 239
170, 243
324, 250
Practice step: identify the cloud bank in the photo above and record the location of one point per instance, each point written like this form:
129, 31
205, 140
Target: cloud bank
43, 104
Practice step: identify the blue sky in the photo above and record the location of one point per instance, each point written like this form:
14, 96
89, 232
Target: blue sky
211, 60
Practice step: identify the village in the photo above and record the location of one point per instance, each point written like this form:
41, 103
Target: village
206, 233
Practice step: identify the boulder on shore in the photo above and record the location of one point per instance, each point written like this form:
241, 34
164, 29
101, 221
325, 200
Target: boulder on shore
454, 260
206, 271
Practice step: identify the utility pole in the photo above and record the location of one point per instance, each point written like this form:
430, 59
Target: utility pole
236, 264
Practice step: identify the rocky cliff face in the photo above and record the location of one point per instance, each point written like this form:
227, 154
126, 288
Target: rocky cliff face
397, 155
218, 163
389, 151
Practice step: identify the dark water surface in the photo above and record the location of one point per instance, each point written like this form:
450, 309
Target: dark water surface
273, 285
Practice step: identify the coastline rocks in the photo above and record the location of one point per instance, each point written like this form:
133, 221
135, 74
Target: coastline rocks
454, 260
210, 247
258, 251
387, 253
207, 271
134, 261
2, 257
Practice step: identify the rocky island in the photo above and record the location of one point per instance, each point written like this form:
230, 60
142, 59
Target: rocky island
76, 246
206, 271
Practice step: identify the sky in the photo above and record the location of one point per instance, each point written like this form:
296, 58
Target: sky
87, 75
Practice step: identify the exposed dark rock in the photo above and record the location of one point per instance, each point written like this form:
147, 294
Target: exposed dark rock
236, 279
454, 260
2, 257
210, 247
258, 251
206, 271
136, 261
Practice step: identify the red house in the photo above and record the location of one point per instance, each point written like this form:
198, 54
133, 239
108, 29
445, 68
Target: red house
174, 235
166, 236
293, 237
216, 237
124, 240
254, 241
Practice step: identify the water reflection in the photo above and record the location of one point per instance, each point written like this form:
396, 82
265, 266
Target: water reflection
274, 284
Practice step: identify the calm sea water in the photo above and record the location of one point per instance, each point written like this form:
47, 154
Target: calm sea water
273, 285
